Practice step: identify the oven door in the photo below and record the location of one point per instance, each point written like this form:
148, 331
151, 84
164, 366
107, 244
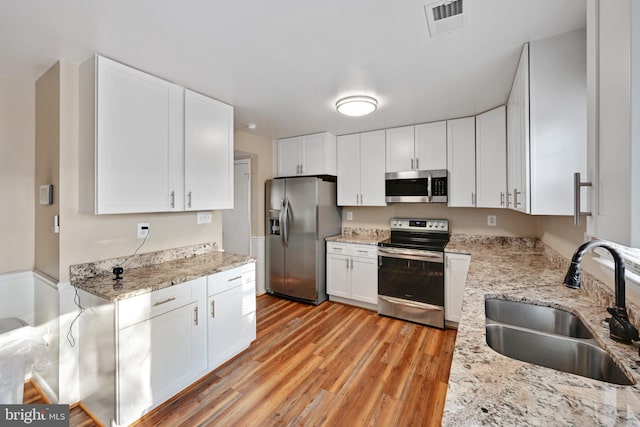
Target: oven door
411, 285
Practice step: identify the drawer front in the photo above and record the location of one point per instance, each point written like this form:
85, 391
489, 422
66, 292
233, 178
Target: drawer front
146, 306
365, 251
337, 248
225, 280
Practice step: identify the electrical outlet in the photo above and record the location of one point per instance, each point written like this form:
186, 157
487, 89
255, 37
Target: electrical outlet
349, 216
491, 220
204, 218
143, 230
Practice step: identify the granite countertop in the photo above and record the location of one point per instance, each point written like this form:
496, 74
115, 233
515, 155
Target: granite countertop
360, 236
160, 270
487, 388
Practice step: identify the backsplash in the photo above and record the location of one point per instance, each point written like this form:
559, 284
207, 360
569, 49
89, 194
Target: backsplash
84, 271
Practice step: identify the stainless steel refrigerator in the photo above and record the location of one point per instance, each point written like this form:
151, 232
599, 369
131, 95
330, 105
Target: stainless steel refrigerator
300, 213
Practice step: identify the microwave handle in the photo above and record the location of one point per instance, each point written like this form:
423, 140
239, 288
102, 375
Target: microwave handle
429, 189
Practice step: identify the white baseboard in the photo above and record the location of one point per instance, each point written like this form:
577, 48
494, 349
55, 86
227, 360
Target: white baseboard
258, 251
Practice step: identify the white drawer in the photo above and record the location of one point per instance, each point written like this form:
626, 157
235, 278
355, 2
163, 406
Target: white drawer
338, 248
146, 306
225, 280
365, 251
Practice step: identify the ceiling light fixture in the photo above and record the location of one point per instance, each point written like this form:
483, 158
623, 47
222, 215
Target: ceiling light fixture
252, 126
356, 106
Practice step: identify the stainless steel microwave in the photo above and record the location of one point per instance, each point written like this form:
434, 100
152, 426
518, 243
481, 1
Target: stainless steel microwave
428, 186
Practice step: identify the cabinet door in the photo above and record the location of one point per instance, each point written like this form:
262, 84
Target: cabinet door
208, 153
461, 161
289, 160
518, 137
491, 159
364, 279
372, 166
314, 156
400, 149
455, 279
156, 359
431, 146
349, 170
230, 327
338, 276
138, 140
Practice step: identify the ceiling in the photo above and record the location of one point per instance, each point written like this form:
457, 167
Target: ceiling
283, 63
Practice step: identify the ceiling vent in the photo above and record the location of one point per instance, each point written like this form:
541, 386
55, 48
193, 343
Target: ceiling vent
445, 16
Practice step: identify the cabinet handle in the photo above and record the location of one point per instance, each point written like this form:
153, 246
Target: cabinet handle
516, 203
234, 278
411, 164
165, 301
213, 309
173, 199
417, 163
189, 199
473, 199
577, 185
347, 263
352, 263
501, 198
508, 199
195, 315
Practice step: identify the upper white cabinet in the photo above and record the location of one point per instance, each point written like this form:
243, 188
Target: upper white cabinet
546, 125
461, 161
491, 159
614, 120
420, 147
307, 155
208, 156
133, 131
361, 160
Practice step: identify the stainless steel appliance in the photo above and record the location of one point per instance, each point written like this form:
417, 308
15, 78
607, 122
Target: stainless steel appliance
411, 271
300, 213
416, 186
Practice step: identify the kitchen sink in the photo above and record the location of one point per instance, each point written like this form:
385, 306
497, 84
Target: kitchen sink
573, 355
549, 337
531, 316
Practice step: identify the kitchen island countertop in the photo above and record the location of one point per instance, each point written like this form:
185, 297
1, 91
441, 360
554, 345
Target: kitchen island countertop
487, 388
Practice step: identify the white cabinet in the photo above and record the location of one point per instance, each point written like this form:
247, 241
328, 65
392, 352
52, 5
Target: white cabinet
546, 125
133, 130
307, 155
208, 153
455, 279
361, 163
420, 147
231, 313
352, 273
461, 162
161, 347
491, 159
614, 120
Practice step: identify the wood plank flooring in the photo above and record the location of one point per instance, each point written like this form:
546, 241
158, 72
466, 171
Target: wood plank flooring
330, 365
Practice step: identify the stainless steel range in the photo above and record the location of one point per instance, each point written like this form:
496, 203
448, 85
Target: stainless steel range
411, 271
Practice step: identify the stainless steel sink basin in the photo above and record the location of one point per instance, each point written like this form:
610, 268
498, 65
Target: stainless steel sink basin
576, 356
530, 316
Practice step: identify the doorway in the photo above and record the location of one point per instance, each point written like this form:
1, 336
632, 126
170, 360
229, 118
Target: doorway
236, 222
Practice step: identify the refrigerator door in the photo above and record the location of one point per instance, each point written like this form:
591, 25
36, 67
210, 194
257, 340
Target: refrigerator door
275, 251
301, 215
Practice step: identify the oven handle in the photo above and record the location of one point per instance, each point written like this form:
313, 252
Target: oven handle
437, 257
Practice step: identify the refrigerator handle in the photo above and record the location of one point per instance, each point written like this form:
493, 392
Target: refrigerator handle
286, 222
281, 222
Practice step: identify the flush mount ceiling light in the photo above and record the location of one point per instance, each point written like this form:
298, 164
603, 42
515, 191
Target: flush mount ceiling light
252, 126
356, 105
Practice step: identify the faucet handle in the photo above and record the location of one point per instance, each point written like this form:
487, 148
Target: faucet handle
620, 328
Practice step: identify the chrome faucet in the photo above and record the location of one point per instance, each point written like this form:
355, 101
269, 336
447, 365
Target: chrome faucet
620, 328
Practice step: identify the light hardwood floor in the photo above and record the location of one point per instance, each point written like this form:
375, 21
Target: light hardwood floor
330, 365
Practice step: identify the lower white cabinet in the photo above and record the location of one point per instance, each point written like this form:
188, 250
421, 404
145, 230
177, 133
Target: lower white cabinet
352, 272
163, 352
231, 312
455, 278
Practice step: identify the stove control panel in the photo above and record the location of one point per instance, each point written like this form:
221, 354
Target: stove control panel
420, 224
